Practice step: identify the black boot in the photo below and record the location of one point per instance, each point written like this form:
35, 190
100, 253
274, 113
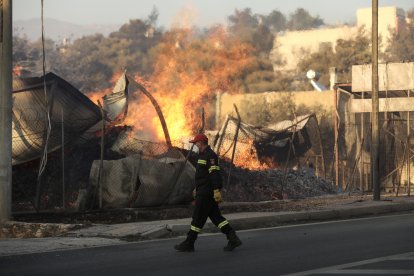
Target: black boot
188, 244
233, 242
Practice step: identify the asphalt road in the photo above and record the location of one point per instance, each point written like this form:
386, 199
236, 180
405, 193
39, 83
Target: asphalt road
326, 246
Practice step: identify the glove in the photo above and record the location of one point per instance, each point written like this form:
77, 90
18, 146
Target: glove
217, 196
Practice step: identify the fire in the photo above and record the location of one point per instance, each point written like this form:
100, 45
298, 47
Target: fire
246, 157
17, 71
187, 76
188, 72
98, 95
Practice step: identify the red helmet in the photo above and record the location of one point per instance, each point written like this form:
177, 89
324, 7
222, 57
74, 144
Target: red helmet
199, 138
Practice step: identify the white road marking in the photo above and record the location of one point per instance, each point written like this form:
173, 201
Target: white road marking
372, 271
338, 269
324, 222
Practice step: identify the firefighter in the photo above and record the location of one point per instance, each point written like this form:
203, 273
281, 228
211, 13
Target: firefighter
207, 197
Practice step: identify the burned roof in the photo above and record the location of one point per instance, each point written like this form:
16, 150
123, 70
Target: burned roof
38, 99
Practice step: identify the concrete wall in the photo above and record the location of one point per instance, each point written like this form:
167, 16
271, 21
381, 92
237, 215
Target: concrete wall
317, 101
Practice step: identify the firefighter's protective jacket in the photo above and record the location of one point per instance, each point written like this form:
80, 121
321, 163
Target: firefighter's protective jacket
208, 175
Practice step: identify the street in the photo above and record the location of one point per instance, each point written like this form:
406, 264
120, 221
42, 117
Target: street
329, 247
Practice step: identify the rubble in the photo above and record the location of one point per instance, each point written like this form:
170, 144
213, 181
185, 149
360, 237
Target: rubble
16, 229
262, 185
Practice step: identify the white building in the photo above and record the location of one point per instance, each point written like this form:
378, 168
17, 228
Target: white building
290, 47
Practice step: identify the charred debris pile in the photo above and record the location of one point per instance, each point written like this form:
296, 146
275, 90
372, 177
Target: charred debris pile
273, 184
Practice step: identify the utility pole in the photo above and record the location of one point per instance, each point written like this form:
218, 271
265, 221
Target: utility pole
375, 105
5, 108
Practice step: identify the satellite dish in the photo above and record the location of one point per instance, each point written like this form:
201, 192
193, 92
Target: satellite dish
313, 77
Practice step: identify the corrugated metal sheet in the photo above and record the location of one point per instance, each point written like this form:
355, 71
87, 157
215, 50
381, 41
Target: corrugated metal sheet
116, 104
30, 109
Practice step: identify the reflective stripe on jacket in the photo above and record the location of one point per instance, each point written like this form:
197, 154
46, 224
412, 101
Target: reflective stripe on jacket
208, 174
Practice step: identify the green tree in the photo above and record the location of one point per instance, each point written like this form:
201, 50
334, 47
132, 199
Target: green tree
275, 21
152, 17
90, 62
130, 46
247, 28
302, 20
254, 30
402, 42
24, 54
83, 66
29, 55
354, 51
242, 21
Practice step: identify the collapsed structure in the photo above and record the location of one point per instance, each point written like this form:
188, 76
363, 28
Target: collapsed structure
282, 145
44, 110
99, 165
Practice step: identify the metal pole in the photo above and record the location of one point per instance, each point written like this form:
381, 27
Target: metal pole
408, 151
234, 143
222, 132
320, 145
375, 105
361, 175
5, 109
102, 156
63, 162
157, 109
336, 138
218, 108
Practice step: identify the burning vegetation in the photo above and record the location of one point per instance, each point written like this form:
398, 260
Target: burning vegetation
187, 74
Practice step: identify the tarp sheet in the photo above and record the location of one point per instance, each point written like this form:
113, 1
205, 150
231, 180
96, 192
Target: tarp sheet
137, 182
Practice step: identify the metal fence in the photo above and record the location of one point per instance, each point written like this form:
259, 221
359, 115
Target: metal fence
290, 144
65, 181
352, 169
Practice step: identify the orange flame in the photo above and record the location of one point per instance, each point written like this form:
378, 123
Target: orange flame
187, 74
189, 71
98, 95
246, 157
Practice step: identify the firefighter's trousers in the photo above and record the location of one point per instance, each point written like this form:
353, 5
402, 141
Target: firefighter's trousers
207, 207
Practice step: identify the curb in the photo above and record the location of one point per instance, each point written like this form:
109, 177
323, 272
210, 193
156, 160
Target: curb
157, 233
273, 220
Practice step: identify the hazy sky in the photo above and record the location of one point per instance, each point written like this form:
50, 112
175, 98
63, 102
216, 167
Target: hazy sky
202, 12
